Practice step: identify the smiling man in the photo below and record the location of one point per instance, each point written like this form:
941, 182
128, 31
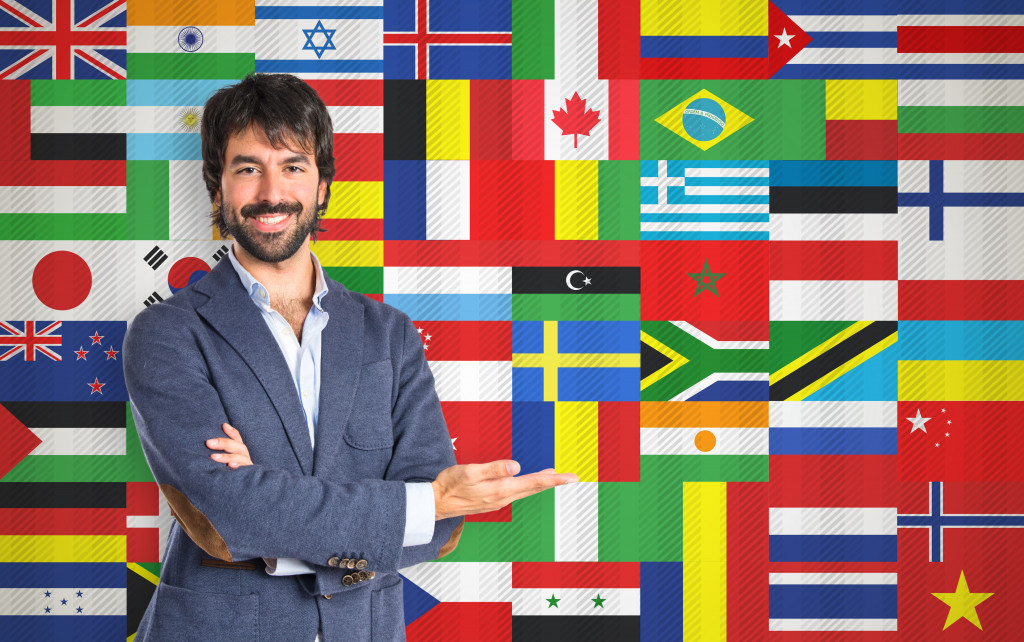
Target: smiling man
336, 469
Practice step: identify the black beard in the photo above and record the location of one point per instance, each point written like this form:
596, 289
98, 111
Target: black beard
272, 247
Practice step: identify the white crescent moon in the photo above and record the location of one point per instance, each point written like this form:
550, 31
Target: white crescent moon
568, 279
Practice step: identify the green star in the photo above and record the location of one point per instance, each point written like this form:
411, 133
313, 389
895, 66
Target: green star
598, 601
553, 601
706, 279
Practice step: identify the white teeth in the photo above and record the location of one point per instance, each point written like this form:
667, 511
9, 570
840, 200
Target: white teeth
271, 220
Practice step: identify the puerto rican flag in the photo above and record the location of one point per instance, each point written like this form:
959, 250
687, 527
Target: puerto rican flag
63, 39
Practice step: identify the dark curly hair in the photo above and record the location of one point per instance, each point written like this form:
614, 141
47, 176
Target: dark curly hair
281, 106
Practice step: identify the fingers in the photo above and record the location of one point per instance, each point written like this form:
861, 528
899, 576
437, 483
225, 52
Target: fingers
233, 461
235, 452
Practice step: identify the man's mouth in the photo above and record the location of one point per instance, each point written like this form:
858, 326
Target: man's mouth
270, 222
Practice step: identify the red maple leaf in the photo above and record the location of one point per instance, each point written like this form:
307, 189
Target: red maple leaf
573, 119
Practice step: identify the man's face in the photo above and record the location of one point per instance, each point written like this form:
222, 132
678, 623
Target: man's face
269, 196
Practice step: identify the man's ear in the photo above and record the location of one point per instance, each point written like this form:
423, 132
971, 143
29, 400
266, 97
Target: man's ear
321, 193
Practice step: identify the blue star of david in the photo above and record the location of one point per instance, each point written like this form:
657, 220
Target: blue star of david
328, 34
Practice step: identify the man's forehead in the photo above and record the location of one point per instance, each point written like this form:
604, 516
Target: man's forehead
256, 137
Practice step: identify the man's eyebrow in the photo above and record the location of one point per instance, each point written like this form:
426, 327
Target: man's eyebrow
241, 159
297, 159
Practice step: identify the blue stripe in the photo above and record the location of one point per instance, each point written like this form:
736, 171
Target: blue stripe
961, 6
704, 236
964, 199
723, 181
405, 204
963, 521
595, 337
834, 173
955, 340
670, 217
171, 93
468, 62
164, 147
62, 575
319, 13
320, 66
453, 307
852, 39
599, 384
832, 548
838, 7
734, 390
678, 168
677, 196
649, 168
533, 435
839, 601
703, 46
832, 441
904, 72
661, 593
63, 627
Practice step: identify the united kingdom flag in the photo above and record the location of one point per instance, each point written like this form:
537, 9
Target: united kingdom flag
63, 39
28, 341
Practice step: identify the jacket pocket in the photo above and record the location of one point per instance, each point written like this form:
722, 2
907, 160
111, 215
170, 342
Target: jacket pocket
387, 618
184, 614
369, 426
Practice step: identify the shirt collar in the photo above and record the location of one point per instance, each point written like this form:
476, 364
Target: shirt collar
261, 296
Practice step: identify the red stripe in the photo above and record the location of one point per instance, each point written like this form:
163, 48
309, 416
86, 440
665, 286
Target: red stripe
961, 300
747, 556
362, 93
491, 621
467, 340
961, 146
358, 157
928, 39
832, 480
704, 68
19, 14
831, 567
142, 498
512, 199
575, 574
618, 441
623, 115
352, 229
24, 61
860, 140
40, 173
448, 38
618, 38
62, 521
503, 119
488, 253
832, 260
143, 545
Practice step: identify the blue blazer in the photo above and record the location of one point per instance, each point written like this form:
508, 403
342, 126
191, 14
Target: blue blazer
204, 357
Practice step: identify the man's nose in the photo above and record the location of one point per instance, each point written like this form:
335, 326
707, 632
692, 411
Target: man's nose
272, 188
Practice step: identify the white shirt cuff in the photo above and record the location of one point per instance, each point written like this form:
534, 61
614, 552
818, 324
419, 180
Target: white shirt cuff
287, 566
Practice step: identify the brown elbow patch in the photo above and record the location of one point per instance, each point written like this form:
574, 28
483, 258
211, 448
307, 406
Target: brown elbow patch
452, 542
196, 524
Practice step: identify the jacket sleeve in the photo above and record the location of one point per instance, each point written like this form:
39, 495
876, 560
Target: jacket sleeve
251, 511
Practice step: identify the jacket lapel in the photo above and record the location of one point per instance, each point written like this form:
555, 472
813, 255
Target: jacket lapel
234, 316
341, 359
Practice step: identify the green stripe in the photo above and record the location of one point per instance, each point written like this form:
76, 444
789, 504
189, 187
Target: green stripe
63, 227
529, 537
148, 200
792, 339
960, 120
618, 200
533, 39
229, 66
365, 280
61, 93
574, 307
789, 119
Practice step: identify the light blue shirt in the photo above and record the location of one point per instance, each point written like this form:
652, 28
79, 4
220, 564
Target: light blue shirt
304, 363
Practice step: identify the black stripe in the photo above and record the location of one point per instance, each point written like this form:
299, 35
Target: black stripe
69, 414
833, 200
570, 628
552, 280
140, 592
62, 495
405, 120
831, 359
79, 146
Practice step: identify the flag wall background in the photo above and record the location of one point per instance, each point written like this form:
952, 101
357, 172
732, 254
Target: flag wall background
750, 269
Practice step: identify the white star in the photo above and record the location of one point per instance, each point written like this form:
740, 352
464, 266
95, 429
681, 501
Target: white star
947, 434
586, 280
936, 444
785, 38
428, 337
419, 330
453, 443
919, 422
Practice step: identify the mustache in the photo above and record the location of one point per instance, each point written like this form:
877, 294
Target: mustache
261, 209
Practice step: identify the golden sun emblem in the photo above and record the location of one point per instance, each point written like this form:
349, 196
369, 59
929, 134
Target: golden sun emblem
190, 119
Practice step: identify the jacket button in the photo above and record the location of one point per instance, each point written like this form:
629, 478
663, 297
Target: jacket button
328, 596
370, 574
361, 564
363, 576
335, 561
347, 580
351, 563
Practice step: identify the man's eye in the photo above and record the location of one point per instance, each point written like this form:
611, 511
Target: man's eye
247, 170
294, 169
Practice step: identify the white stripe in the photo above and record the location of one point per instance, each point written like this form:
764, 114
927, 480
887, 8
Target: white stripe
447, 280
805, 520
727, 190
832, 414
576, 522
107, 119
889, 56
713, 226
282, 39
960, 58
834, 227
80, 441
726, 172
576, 601
328, 76
967, 92
472, 380
706, 208
319, 3
961, 20
831, 579
216, 39
560, 147
188, 201
833, 300
463, 581
846, 23
983, 176
143, 521
357, 119
777, 624
576, 39
680, 441
61, 199
447, 200
707, 339
33, 601
980, 243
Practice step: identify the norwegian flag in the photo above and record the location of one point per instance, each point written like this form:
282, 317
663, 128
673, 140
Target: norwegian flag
63, 39
29, 341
